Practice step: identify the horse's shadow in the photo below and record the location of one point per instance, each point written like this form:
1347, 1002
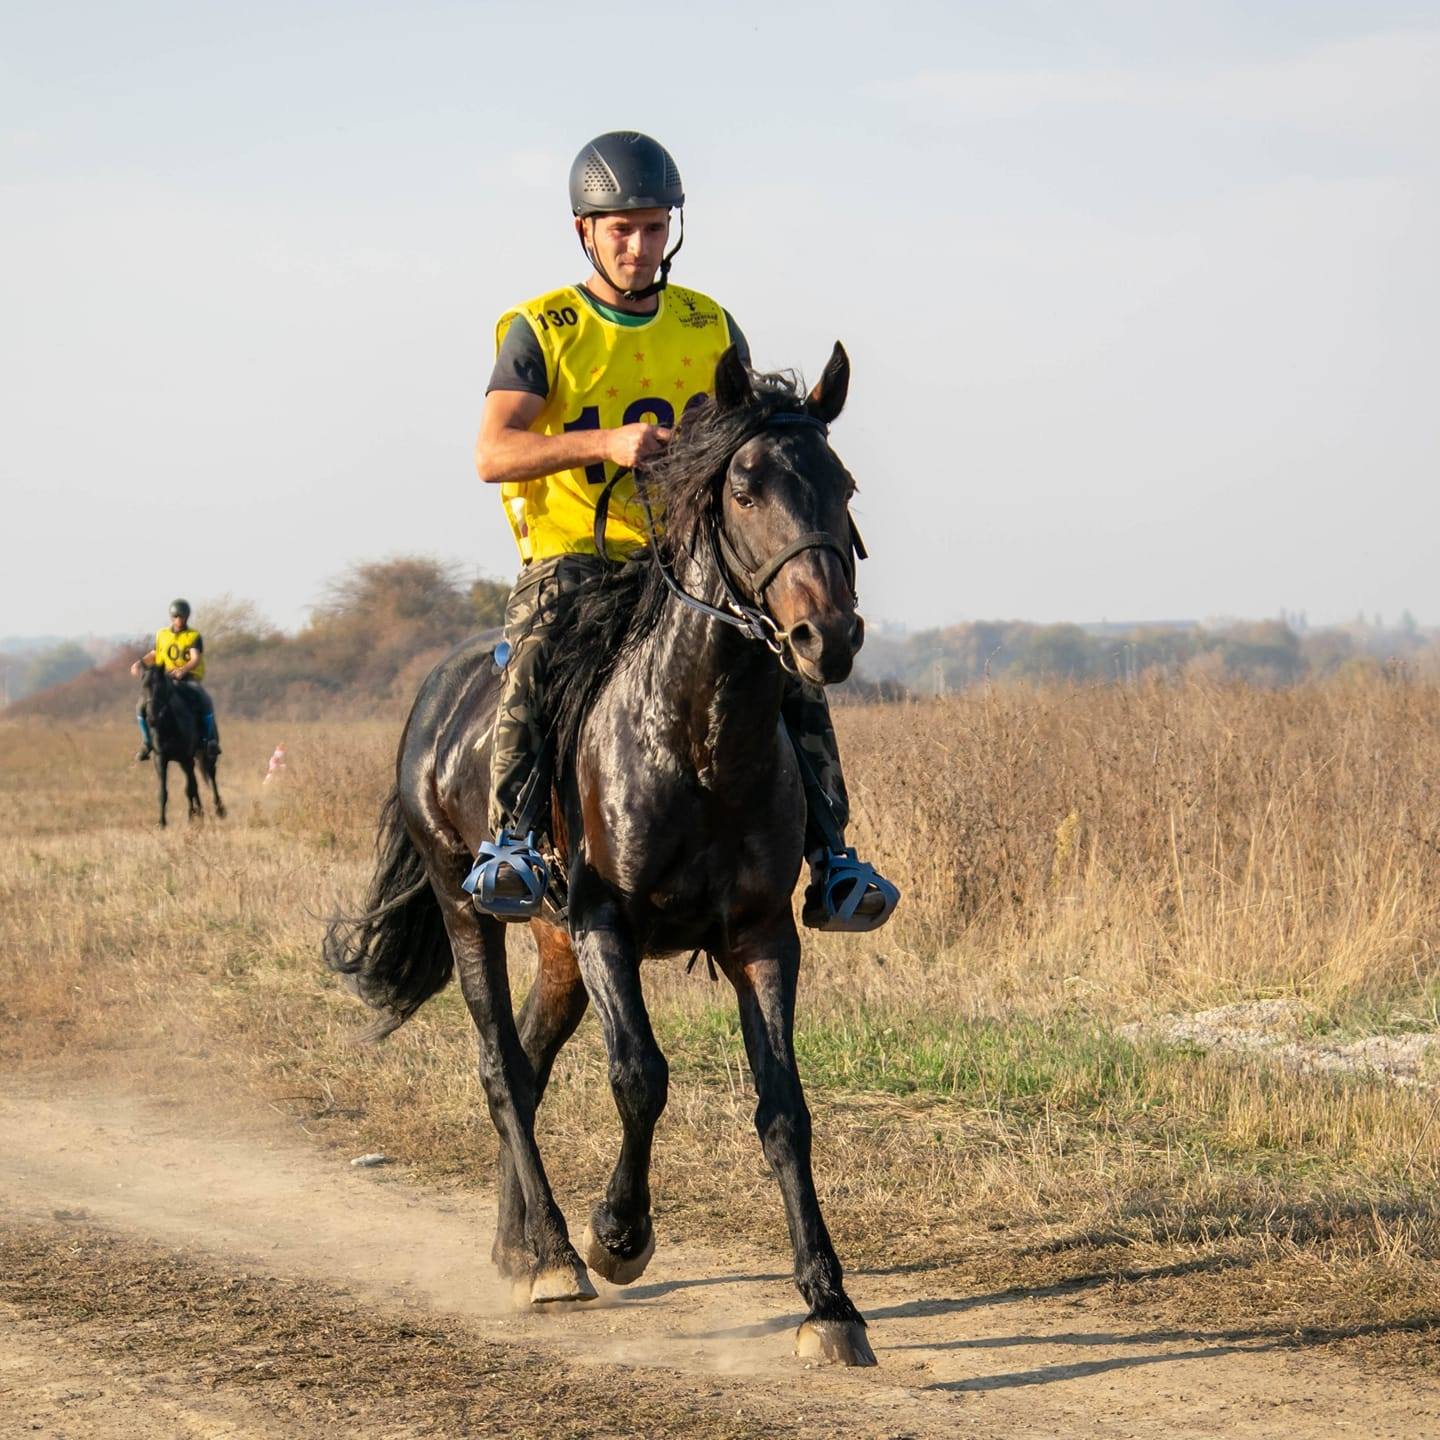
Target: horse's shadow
938, 1305
1207, 1345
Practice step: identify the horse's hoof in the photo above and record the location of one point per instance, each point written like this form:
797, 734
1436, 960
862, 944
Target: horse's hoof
617, 1269
561, 1282
520, 1293
834, 1342
220, 812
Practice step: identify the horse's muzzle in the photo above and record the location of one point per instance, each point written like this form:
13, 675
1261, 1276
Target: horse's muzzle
825, 648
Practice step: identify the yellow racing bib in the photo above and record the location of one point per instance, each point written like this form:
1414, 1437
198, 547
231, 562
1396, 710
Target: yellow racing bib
170, 650
602, 376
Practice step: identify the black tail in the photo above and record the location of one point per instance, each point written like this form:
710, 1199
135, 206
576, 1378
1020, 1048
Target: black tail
397, 950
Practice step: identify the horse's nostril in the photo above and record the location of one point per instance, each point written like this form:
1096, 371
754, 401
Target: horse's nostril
805, 638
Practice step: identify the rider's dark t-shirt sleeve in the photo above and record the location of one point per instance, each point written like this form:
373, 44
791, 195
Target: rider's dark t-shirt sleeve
520, 365
737, 338
198, 644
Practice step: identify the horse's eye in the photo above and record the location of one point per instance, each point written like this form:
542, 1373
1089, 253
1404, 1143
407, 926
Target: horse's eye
744, 501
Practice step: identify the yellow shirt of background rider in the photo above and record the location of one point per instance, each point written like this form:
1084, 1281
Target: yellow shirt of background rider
171, 649
602, 376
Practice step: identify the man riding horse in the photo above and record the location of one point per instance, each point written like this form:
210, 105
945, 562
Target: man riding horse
180, 651
589, 381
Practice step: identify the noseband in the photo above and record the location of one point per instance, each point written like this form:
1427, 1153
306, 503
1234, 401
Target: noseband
751, 616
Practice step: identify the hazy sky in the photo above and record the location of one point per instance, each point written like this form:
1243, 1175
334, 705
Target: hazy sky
1141, 299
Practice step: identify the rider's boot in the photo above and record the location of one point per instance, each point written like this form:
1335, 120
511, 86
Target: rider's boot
846, 893
144, 753
509, 877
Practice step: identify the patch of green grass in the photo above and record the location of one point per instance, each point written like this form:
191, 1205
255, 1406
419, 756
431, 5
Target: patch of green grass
1361, 1018
1066, 1085
979, 1061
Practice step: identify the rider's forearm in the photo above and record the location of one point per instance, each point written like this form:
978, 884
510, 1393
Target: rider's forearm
512, 456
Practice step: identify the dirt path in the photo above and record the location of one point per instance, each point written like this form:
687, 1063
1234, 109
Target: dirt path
168, 1277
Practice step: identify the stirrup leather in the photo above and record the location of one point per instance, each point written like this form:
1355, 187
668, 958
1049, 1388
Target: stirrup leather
524, 861
847, 881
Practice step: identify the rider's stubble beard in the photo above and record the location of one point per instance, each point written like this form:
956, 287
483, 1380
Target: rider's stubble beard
620, 277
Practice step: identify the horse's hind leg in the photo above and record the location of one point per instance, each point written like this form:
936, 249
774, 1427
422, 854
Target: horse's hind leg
207, 769
764, 970
620, 1238
478, 944
547, 1020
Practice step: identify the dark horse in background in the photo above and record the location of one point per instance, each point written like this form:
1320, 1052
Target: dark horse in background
679, 808
177, 734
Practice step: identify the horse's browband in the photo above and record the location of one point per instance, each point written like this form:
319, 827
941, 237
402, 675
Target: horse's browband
795, 417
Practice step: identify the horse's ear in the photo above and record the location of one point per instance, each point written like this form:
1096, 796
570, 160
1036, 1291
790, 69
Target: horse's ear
827, 399
732, 381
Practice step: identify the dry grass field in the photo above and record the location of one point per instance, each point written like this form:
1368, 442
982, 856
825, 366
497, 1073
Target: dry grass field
1073, 859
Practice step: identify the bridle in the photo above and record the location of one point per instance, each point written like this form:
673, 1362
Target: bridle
749, 615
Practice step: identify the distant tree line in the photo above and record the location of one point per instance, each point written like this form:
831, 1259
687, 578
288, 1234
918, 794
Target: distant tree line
26, 674
1266, 652
381, 625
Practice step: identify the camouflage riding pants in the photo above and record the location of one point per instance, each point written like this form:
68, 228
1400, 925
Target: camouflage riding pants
533, 613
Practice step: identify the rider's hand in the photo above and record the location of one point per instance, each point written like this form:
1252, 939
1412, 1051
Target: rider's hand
632, 444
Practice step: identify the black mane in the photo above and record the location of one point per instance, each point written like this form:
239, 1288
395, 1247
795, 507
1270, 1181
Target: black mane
609, 615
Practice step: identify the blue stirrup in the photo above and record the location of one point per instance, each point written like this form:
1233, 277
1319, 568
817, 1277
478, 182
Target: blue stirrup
848, 880
524, 860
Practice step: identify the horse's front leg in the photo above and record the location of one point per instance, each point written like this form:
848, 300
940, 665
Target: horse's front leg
620, 1238
554, 1271
192, 789
764, 968
162, 773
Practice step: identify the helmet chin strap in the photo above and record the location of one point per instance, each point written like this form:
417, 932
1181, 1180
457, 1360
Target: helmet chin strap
656, 286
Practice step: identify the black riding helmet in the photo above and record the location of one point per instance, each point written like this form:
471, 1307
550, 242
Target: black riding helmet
180, 608
625, 170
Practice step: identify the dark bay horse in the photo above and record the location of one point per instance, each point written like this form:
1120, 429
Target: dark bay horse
680, 811
176, 735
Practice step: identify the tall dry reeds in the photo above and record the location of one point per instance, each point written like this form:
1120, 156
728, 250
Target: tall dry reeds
1161, 844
